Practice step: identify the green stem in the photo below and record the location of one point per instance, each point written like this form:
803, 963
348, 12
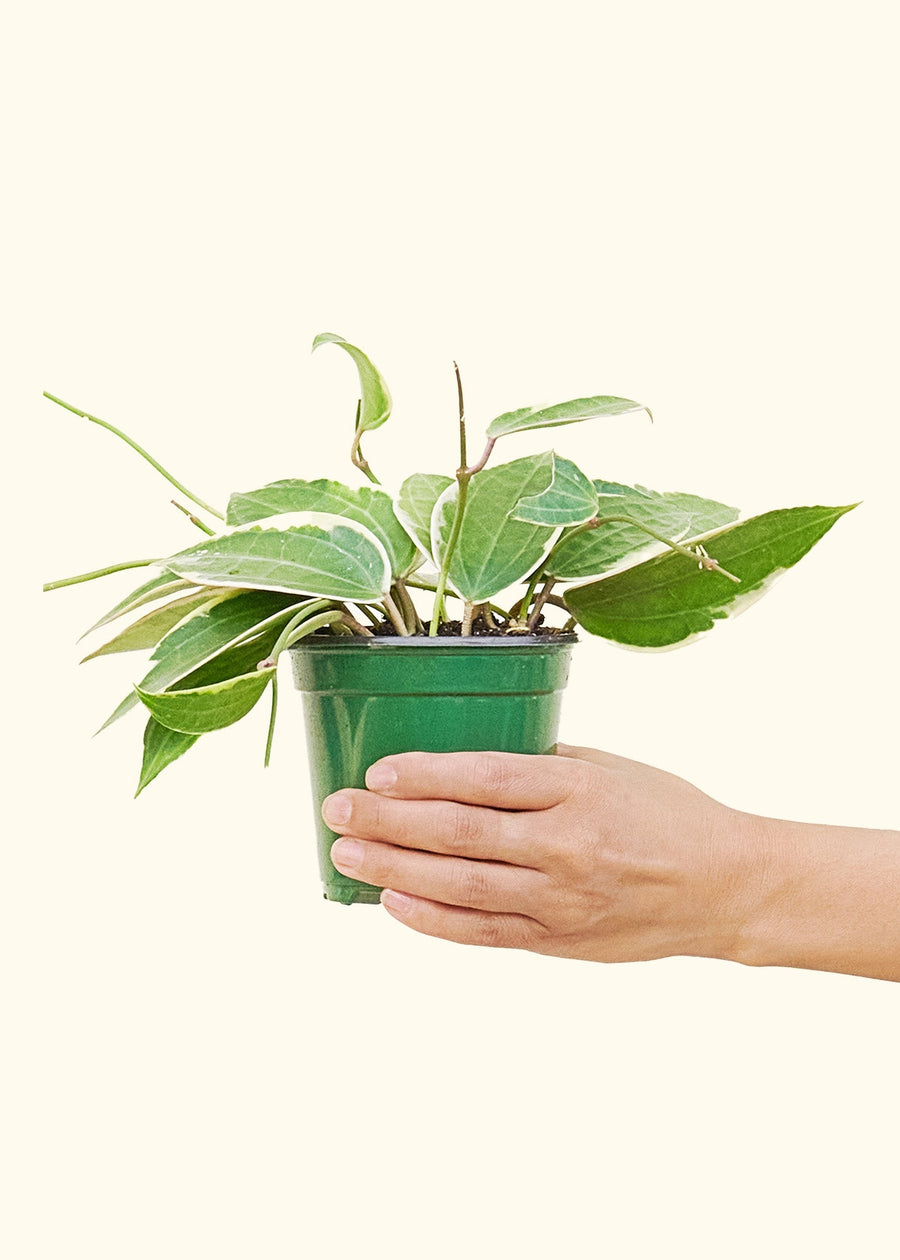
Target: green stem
271, 730
314, 624
395, 617
89, 577
407, 607
306, 611
195, 520
529, 594
86, 415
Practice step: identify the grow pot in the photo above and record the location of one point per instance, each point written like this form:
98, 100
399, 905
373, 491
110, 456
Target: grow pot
367, 697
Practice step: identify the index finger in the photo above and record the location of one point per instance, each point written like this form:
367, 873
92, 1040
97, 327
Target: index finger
498, 779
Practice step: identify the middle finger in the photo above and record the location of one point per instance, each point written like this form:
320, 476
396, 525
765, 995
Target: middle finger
436, 826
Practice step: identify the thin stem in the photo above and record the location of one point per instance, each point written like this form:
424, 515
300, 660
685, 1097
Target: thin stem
394, 616
485, 456
463, 478
529, 594
468, 618
86, 415
407, 607
89, 577
306, 610
271, 731
540, 602
195, 520
463, 461
314, 624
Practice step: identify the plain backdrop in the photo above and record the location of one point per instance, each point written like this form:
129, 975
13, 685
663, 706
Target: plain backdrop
690, 204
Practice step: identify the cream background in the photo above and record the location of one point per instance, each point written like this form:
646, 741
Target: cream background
691, 204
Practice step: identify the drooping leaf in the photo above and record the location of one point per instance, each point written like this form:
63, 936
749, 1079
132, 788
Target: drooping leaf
338, 563
562, 413
147, 631
371, 508
375, 395
415, 505
161, 747
674, 515
493, 550
202, 709
206, 634
570, 499
159, 587
669, 600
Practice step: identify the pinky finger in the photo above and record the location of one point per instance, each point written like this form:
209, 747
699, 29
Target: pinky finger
465, 926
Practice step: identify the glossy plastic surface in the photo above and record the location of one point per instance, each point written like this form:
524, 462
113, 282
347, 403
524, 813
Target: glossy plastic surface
366, 699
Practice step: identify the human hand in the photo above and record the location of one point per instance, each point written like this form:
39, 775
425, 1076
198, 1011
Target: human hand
582, 855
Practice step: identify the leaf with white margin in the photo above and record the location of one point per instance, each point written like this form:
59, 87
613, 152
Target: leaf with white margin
210, 708
572, 412
415, 506
370, 508
673, 514
669, 600
570, 499
217, 626
147, 631
343, 562
159, 587
376, 400
493, 550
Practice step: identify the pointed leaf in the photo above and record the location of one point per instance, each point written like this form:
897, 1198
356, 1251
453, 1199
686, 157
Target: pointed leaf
371, 508
159, 587
147, 631
415, 505
161, 747
376, 398
210, 708
674, 515
206, 634
339, 563
570, 499
493, 550
669, 600
562, 413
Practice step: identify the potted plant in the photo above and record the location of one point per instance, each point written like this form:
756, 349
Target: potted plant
397, 611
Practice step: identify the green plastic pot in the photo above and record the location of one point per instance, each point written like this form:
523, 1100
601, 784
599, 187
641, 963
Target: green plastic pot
367, 697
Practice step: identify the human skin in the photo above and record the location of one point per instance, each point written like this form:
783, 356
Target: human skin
588, 855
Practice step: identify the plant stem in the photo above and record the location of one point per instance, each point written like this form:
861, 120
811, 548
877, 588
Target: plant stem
524, 604
314, 624
539, 603
464, 475
86, 415
305, 611
468, 618
704, 561
88, 577
463, 460
271, 730
195, 520
394, 616
407, 607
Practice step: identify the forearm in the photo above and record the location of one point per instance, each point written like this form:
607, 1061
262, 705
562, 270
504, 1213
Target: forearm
828, 898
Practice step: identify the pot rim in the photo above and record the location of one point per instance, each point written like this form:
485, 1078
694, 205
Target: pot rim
343, 643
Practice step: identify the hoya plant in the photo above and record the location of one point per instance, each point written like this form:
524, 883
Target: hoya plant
533, 546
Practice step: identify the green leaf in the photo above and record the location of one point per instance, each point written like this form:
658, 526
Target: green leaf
147, 631
203, 709
376, 398
206, 634
339, 563
161, 747
493, 550
570, 499
562, 413
159, 587
415, 505
669, 600
371, 508
673, 514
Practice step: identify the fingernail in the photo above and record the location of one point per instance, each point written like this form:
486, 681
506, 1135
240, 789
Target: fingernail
347, 854
337, 810
398, 902
380, 777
